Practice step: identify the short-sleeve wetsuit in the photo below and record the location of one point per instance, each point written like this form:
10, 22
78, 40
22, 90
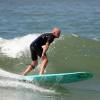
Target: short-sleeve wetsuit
36, 45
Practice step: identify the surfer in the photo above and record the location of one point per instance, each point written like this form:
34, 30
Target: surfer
39, 48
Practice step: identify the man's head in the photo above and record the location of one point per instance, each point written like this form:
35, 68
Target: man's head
56, 32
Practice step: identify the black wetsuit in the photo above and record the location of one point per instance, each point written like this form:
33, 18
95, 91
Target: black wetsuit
36, 45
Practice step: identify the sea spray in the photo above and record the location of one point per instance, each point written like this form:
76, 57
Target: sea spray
14, 47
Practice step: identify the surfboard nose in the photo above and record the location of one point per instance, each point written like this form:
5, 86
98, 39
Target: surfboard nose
85, 75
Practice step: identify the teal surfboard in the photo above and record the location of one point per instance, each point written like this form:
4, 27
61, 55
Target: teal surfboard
62, 78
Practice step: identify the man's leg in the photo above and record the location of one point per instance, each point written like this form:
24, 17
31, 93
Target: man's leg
43, 64
29, 68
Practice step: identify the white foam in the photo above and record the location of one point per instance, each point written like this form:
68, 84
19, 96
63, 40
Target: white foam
17, 84
14, 47
75, 35
10, 75
7, 81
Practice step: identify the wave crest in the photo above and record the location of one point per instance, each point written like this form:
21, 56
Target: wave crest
14, 47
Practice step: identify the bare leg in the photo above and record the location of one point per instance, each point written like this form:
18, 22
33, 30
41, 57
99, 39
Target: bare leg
29, 68
43, 65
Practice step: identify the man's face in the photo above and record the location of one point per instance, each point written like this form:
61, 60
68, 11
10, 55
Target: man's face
57, 34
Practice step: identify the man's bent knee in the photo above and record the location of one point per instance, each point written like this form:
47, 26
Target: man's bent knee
32, 66
45, 59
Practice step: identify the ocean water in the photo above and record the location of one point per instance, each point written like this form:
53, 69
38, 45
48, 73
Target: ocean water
78, 48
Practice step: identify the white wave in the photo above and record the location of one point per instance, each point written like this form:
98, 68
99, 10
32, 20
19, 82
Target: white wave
14, 47
7, 81
75, 35
10, 75
17, 84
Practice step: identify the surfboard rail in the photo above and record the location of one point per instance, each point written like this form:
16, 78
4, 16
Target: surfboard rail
61, 78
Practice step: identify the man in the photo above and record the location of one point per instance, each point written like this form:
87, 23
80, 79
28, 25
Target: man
39, 48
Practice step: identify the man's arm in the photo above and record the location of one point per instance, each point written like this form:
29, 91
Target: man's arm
45, 48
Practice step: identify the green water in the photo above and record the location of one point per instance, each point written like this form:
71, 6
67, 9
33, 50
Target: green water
74, 54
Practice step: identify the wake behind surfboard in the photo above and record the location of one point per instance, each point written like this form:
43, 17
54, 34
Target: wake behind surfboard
62, 78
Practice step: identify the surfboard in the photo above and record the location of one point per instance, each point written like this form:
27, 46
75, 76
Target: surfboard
62, 78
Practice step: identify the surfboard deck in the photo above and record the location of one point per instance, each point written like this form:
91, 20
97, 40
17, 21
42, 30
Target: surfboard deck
62, 78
